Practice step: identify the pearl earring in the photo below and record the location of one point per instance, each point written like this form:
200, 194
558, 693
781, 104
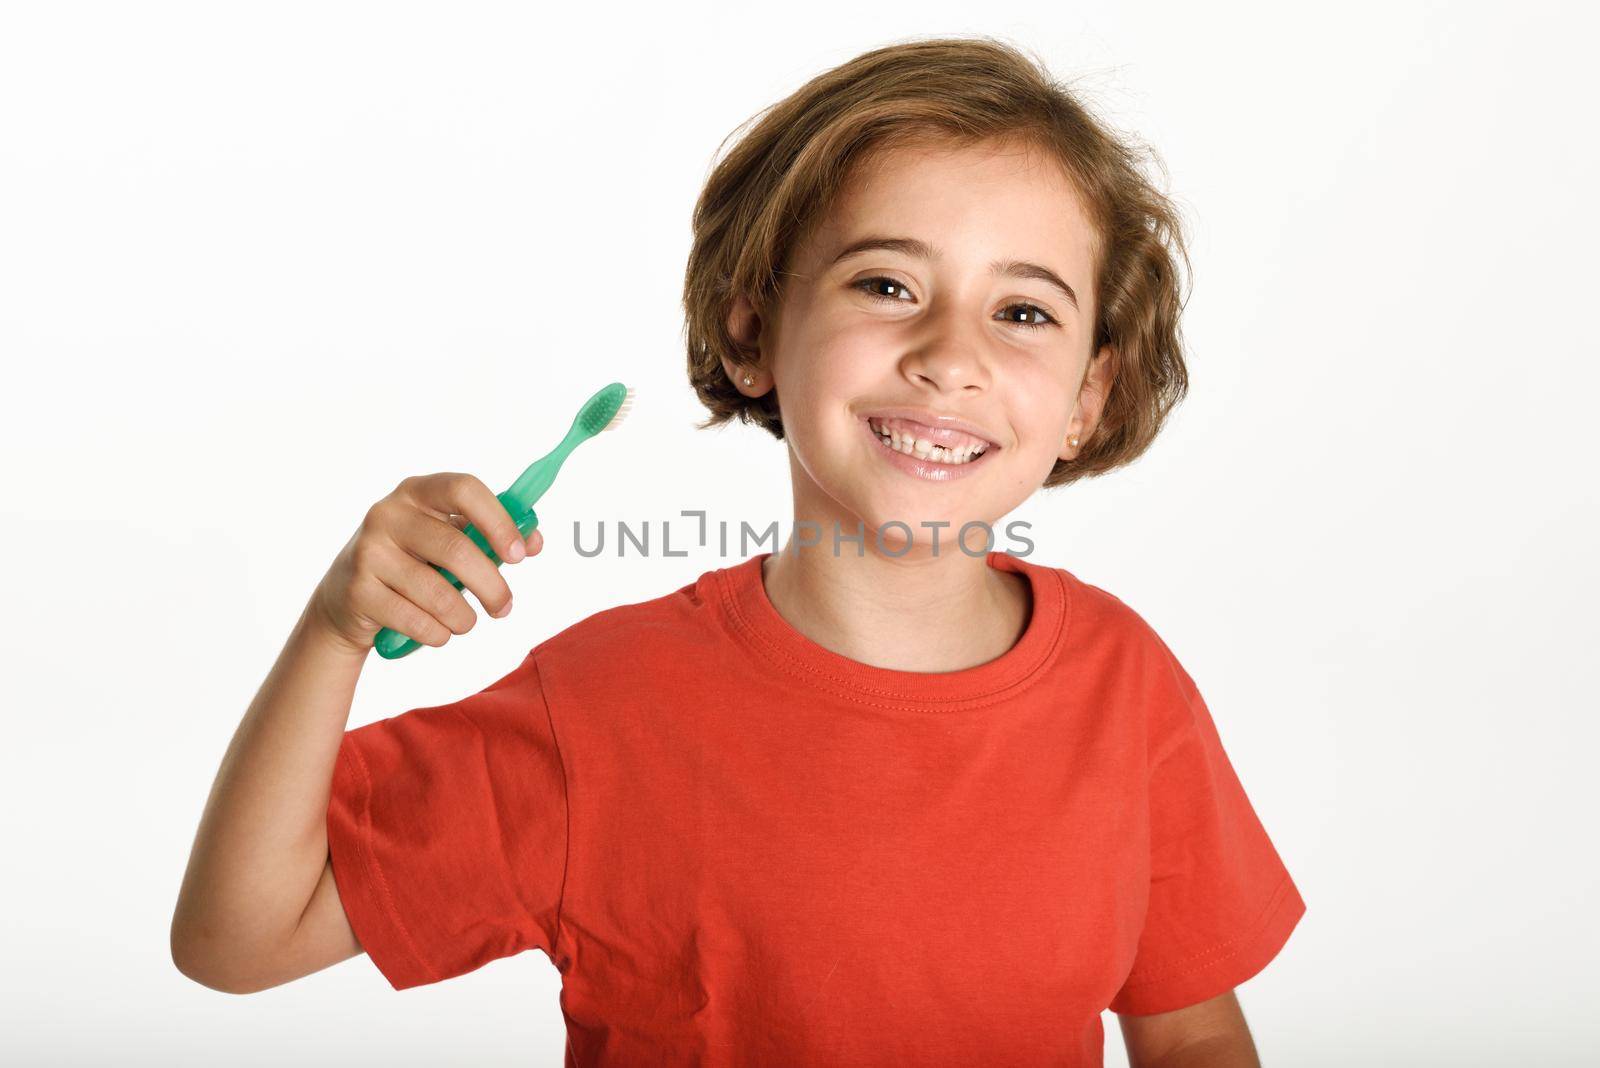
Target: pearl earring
1073, 441
749, 381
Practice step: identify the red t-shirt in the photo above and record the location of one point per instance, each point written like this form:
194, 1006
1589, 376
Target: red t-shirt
741, 848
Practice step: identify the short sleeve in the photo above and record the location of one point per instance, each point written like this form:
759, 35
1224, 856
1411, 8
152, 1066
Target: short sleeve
447, 832
1221, 902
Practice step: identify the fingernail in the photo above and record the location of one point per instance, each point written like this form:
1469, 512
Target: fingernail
516, 552
506, 611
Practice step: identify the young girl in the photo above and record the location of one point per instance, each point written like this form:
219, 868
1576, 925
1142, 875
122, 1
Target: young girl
884, 797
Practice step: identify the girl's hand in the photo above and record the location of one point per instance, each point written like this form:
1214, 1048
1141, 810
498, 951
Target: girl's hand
385, 577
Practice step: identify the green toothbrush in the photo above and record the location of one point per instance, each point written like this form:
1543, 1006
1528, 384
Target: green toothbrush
603, 411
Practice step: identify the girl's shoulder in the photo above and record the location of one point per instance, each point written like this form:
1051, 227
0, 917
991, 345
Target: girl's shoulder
667, 625
1100, 619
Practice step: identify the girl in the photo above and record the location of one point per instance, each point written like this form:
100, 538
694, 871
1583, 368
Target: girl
881, 797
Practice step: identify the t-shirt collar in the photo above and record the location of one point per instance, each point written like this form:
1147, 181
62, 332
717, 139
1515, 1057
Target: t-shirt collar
759, 624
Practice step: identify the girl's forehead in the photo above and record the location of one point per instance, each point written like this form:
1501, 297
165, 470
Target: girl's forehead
968, 175
1013, 201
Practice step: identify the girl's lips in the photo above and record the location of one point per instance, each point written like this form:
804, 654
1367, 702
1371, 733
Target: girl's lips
926, 469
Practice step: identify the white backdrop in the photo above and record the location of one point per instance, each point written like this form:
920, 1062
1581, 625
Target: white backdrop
258, 263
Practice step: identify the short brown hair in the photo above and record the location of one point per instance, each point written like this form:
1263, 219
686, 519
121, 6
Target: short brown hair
764, 196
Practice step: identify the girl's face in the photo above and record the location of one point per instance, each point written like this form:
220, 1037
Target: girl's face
959, 316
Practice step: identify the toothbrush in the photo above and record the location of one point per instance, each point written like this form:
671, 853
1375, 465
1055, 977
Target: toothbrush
601, 412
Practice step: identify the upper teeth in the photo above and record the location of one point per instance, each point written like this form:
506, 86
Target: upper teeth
922, 448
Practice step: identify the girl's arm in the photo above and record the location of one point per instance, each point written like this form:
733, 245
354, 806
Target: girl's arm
1212, 1034
258, 906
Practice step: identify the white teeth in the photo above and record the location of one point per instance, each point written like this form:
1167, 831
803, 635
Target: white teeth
923, 449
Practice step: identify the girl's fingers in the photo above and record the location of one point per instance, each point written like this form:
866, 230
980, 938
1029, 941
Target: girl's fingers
393, 609
419, 583
433, 541
454, 493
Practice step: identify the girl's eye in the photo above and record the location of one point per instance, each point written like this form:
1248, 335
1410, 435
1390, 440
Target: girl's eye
1033, 308
866, 283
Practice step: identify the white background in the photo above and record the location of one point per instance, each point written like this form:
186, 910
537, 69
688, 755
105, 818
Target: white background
259, 263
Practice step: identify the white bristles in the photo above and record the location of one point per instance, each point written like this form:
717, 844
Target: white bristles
622, 411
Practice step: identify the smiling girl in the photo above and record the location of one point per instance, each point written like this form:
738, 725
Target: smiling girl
894, 799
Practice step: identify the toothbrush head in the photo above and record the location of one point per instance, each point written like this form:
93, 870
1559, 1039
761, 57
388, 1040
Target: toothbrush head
605, 410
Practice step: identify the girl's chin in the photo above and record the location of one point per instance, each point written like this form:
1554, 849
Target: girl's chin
882, 523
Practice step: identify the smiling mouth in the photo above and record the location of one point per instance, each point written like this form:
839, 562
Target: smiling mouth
898, 437
925, 467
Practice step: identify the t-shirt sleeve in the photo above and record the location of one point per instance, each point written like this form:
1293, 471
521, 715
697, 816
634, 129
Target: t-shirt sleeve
447, 832
1221, 902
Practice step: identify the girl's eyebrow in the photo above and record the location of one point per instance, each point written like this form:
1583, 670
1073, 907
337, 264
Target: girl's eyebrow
920, 249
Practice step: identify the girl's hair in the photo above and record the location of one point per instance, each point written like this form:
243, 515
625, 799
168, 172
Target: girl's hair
765, 195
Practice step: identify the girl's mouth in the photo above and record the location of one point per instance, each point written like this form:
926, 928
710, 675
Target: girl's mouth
933, 465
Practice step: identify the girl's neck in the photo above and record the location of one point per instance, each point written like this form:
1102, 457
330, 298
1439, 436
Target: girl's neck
918, 613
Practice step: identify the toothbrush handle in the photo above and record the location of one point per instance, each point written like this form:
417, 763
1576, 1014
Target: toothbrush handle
391, 644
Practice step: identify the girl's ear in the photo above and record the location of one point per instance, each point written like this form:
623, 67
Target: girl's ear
744, 328
1092, 394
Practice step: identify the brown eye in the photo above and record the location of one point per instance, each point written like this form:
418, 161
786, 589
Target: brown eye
1026, 308
867, 282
